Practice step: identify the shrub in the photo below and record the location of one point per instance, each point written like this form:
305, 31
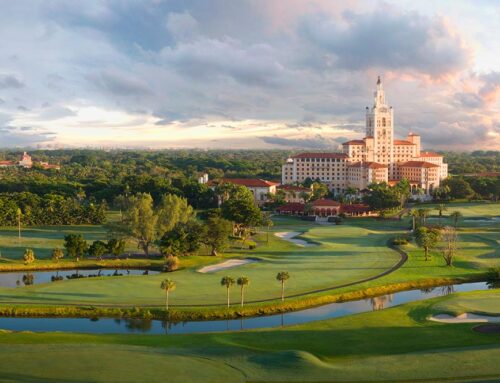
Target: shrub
311, 218
336, 220
400, 241
29, 256
251, 245
171, 264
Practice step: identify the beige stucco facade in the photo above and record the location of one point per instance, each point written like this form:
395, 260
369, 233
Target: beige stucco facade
377, 157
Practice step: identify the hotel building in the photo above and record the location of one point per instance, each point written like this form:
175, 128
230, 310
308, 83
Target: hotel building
378, 157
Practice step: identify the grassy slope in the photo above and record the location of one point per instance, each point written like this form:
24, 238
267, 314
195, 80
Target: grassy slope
393, 344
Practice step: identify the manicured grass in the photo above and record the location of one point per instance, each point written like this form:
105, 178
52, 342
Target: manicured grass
350, 252
347, 253
396, 344
468, 209
483, 302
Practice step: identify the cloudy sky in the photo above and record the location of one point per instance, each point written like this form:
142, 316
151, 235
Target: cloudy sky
246, 73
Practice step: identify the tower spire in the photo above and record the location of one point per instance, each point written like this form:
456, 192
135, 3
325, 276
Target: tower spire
378, 81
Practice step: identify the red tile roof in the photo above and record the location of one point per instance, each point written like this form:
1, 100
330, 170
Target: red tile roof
292, 207
7, 163
368, 164
321, 155
354, 142
325, 202
418, 164
402, 142
430, 154
248, 182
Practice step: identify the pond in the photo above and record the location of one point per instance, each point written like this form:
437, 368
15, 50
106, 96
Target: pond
24, 278
127, 326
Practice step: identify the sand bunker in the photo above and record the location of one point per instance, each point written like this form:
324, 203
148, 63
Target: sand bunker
464, 318
226, 265
289, 236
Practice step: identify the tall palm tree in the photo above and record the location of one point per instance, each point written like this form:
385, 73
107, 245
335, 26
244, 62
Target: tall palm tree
413, 213
19, 215
242, 282
456, 215
283, 276
227, 282
168, 285
441, 207
423, 213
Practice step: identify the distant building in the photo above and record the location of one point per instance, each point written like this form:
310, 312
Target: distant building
261, 189
26, 161
324, 208
378, 157
47, 166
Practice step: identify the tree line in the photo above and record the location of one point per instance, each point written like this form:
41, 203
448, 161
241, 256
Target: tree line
26, 209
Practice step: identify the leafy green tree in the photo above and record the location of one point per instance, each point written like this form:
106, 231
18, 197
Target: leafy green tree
382, 197
320, 190
282, 277
97, 249
450, 239
75, 245
115, 247
183, 238
57, 254
459, 187
242, 282
427, 238
240, 209
171, 211
227, 282
456, 215
140, 221
403, 191
29, 256
216, 233
167, 285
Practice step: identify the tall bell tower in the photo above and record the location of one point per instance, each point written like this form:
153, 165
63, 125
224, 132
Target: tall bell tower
380, 126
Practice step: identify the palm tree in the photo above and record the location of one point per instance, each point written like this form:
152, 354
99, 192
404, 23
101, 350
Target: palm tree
456, 215
168, 285
242, 282
227, 282
423, 213
282, 276
19, 215
441, 207
413, 213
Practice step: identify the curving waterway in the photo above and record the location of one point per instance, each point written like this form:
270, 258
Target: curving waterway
25, 278
333, 310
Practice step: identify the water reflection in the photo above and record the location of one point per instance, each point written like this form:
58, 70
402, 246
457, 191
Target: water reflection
334, 310
379, 303
17, 279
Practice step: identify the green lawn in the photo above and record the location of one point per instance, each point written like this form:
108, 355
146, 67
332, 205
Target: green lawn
396, 344
347, 253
